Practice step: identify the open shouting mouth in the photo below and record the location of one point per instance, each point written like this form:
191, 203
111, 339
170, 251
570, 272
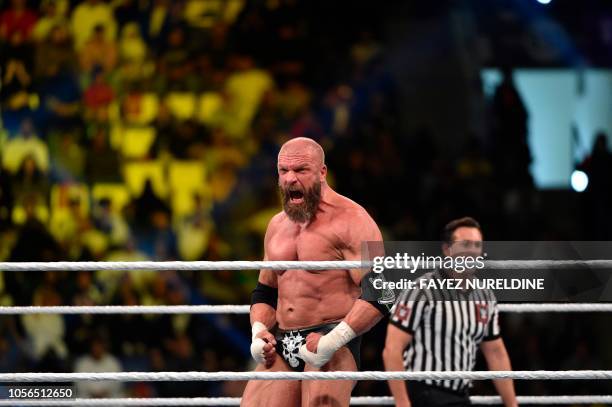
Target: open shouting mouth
299, 203
296, 197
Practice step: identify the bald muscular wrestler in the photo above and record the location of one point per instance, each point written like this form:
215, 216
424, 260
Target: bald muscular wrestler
319, 316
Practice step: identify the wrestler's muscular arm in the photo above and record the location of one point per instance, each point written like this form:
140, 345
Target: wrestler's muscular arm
263, 313
362, 316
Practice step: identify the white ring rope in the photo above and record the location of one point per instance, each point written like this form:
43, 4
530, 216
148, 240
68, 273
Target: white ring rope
556, 307
181, 265
128, 309
244, 309
368, 375
275, 265
235, 401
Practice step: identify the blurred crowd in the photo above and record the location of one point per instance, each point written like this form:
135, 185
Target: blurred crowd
148, 129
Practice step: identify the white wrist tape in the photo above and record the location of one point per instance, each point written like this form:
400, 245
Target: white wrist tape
328, 345
257, 328
257, 344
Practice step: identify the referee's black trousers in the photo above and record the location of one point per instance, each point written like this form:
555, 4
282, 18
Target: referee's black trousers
425, 395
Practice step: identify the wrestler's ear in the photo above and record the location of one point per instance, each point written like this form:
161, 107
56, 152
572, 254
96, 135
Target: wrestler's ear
446, 249
323, 172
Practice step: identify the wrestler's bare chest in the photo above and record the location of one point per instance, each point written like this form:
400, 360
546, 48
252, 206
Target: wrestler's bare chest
305, 297
317, 241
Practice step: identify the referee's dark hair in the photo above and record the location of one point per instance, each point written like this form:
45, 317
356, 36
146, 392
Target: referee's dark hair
465, 222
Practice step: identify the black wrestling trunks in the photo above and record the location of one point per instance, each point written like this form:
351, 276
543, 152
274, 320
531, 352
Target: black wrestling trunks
288, 344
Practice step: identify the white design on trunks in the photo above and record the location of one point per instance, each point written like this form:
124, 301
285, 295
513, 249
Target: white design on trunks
291, 346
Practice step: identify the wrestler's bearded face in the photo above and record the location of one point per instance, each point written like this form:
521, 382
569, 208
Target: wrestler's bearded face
300, 203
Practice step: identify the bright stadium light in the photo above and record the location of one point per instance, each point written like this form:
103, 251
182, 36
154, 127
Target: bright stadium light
579, 181
544, 1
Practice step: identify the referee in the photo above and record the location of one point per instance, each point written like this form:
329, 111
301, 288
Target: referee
441, 331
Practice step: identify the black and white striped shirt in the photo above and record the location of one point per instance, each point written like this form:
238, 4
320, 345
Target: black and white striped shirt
446, 327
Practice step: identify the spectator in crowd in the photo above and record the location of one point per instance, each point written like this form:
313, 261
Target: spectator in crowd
111, 222
132, 330
510, 131
26, 144
86, 291
97, 97
146, 205
59, 95
132, 53
70, 226
98, 52
6, 199
55, 50
598, 197
17, 20
110, 281
33, 239
188, 141
28, 181
67, 156
98, 360
45, 332
102, 162
87, 17
52, 17
176, 64
16, 79
160, 242
165, 128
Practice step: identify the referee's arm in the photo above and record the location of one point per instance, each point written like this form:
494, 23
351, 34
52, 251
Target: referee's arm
406, 316
497, 359
397, 340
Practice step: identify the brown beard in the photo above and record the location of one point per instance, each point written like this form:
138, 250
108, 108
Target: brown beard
305, 211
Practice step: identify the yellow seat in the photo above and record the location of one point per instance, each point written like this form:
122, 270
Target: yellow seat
61, 220
181, 104
136, 174
137, 141
209, 105
186, 178
117, 194
41, 212
114, 112
147, 110
116, 136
